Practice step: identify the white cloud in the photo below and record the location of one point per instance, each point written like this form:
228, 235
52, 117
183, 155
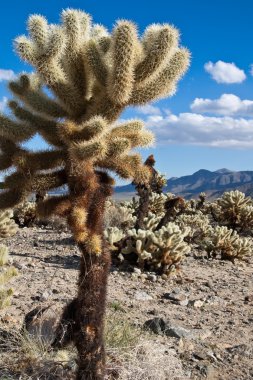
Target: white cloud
3, 103
149, 110
227, 104
224, 72
196, 129
6, 74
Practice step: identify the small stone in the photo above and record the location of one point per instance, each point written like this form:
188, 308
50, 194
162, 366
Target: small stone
164, 276
152, 277
142, 296
44, 296
177, 298
196, 303
157, 325
137, 271
20, 266
248, 298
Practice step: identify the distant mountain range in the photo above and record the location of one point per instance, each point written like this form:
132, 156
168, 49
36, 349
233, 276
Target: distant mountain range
212, 183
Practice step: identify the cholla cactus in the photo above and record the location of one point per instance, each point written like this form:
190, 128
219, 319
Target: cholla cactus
8, 227
113, 235
93, 75
228, 244
6, 274
156, 203
25, 214
229, 208
161, 250
198, 223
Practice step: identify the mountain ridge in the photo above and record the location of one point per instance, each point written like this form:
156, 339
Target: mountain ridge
213, 183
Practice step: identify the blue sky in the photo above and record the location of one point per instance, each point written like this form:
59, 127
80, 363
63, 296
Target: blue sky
208, 123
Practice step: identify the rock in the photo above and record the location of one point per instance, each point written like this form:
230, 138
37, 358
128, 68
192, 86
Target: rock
177, 298
196, 303
20, 266
45, 296
41, 323
137, 271
248, 298
142, 296
152, 277
159, 326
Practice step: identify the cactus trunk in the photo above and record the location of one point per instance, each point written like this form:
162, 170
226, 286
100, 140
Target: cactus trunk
90, 312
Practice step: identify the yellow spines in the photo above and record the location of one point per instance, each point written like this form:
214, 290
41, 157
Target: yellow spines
121, 75
26, 49
117, 146
48, 181
14, 131
163, 44
163, 84
77, 221
71, 131
43, 160
96, 63
93, 244
141, 139
130, 126
46, 127
36, 99
88, 150
38, 29
77, 26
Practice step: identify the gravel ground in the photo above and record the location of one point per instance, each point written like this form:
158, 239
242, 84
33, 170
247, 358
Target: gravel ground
204, 312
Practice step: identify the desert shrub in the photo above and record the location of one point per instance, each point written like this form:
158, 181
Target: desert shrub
227, 244
232, 208
159, 250
25, 214
6, 274
199, 225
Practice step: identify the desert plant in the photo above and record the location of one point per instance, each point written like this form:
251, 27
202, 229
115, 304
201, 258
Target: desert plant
198, 223
25, 214
6, 274
229, 209
8, 227
227, 244
93, 76
161, 250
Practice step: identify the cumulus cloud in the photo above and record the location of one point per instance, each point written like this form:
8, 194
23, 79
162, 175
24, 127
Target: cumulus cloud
224, 72
149, 109
3, 103
227, 104
6, 74
195, 129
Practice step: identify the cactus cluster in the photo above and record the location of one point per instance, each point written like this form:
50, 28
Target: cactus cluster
195, 224
234, 210
228, 244
159, 250
6, 274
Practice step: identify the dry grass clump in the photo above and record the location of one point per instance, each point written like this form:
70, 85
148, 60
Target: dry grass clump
131, 355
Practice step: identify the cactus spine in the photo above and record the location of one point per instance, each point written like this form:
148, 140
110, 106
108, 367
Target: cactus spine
93, 75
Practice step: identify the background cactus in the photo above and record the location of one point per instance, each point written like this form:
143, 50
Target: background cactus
25, 214
228, 244
230, 209
6, 274
8, 227
93, 75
